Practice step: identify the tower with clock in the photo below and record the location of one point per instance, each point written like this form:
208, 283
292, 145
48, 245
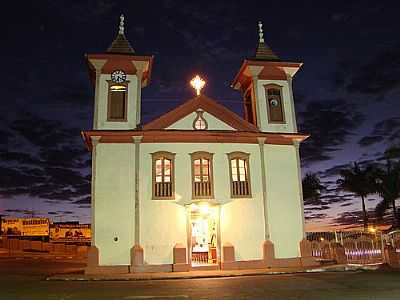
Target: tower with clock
118, 76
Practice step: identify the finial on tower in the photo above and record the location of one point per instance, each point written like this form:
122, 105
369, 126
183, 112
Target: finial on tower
121, 24
260, 32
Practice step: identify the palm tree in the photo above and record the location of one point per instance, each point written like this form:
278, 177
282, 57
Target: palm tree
359, 182
312, 188
388, 185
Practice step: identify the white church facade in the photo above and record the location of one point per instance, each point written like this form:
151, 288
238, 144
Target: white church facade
198, 187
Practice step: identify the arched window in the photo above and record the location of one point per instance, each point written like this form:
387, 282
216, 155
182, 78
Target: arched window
163, 181
275, 109
117, 101
240, 174
202, 175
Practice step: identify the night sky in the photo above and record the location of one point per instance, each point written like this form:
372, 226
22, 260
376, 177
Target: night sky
346, 94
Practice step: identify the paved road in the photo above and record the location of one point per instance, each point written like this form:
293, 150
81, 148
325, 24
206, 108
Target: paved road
23, 279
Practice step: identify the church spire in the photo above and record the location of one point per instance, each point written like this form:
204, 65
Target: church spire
121, 44
264, 52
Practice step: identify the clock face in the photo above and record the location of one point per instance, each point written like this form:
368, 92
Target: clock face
118, 76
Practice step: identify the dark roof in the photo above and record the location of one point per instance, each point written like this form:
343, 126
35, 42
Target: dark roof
121, 45
264, 52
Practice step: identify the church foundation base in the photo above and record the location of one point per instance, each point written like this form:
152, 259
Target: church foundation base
94, 268
180, 261
295, 262
180, 267
151, 268
103, 270
243, 265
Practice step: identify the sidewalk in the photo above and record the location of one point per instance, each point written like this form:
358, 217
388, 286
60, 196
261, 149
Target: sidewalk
204, 274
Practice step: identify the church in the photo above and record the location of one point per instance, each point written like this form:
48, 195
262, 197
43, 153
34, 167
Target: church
199, 187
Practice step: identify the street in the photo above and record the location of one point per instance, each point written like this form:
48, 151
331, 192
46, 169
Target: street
23, 278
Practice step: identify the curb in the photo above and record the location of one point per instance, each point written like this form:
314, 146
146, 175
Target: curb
171, 276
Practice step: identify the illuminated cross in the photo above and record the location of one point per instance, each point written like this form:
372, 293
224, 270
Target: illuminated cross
197, 83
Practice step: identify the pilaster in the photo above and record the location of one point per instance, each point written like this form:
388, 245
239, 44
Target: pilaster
296, 144
95, 141
98, 65
140, 67
291, 99
261, 143
137, 140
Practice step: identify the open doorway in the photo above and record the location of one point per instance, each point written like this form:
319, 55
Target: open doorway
203, 235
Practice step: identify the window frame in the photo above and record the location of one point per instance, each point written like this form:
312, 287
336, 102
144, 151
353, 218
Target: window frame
109, 118
248, 98
246, 157
154, 157
280, 88
199, 155
199, 115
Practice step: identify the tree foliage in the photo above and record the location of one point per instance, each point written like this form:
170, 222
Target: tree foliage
387, 184
312, 189
359, 181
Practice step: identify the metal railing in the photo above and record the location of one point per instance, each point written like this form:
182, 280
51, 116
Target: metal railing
359, 247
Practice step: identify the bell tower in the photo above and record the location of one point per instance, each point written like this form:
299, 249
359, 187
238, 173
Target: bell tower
118, 75
265, 82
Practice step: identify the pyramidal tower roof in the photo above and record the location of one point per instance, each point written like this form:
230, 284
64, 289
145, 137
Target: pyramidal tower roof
264, 52
121, 44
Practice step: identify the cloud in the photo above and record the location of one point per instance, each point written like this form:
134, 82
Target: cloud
377, 78
44, 132
330, 123
370, 140
22, 211
322, 207
85, 200
354, 218
315, 216
49, 161
387, 130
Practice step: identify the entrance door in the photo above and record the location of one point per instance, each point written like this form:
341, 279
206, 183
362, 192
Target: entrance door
203, 236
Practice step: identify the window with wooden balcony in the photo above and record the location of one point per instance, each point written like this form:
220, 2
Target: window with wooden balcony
163, 175
239, 174
202, 175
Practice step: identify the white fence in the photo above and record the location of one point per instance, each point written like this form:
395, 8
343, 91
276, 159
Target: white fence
359, 247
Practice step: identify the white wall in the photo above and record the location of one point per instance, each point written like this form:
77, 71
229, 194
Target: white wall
263, 108
103, 104
283, 198
114, 202
186, 123
163, 222
242, 225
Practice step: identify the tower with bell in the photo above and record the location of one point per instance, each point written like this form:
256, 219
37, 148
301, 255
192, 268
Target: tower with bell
265, 82
118, 75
